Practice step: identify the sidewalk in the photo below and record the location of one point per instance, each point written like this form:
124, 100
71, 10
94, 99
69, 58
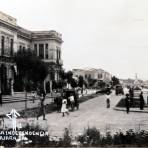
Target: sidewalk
17, 101
145, 110
6, 108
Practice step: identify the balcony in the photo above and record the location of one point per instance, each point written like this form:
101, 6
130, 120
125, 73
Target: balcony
60, 62
50, 60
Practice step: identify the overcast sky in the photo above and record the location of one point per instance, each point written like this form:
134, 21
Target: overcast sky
107, 34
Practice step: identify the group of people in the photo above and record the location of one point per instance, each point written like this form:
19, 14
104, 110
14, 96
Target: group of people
67, 102
129, 100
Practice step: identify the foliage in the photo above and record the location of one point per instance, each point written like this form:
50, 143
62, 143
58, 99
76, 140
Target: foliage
9, 142
80, 81
91, 137
101, 84
91, 82
37, 140
30, 67
115, 81
66, 141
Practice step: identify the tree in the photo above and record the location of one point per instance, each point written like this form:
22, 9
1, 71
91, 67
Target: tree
81, 83
115, 81
69, 75
30, 67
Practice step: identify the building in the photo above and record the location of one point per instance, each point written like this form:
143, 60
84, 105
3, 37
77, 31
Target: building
46, 45
92, 73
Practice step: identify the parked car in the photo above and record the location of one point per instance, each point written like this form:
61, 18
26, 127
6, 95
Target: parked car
119, 90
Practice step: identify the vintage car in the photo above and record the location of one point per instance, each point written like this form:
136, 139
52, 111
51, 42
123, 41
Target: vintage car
119, 90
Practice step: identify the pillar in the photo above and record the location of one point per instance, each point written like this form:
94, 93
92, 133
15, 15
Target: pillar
44, 50
37, 50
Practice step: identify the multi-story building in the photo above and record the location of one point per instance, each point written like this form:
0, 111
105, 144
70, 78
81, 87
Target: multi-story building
92, 73
46, 45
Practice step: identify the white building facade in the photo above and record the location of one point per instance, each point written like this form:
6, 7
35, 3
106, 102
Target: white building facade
46, 45
92, 73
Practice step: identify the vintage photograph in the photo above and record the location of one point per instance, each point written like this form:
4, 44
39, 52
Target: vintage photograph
73, 73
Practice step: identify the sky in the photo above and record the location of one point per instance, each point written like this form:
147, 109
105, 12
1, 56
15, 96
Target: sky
107, 34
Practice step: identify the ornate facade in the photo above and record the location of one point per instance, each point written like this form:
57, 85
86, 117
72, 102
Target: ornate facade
46, 45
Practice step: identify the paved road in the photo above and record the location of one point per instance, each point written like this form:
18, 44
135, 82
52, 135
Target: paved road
94, 113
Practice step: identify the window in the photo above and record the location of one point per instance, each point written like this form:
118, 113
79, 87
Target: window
46, 51
20, 47
2, 45
41, 50
59, 54
23, 48
35, 49
11, 47
85, 76
99, 76
51, 54
89, 76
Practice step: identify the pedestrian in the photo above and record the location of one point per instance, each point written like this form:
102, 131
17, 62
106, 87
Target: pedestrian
127, 103
33, 96
59, 103
108, 100
72, 101
64, 107
42, 107
76, 98
141, 101
131, 95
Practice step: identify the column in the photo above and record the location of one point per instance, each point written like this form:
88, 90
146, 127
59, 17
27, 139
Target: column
44, 51
37, 50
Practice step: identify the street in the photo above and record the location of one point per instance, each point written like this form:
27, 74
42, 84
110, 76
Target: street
94, 113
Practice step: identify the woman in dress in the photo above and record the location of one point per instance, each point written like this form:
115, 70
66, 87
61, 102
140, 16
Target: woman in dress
64, 108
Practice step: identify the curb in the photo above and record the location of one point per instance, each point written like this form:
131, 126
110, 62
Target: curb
130, 110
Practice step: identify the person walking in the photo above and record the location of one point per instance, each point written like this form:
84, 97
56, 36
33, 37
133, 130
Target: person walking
64, 108
72, 101
108, 100
59, 103
33, 96
42, 107
127, 103
141, 101
76, 98
131, 95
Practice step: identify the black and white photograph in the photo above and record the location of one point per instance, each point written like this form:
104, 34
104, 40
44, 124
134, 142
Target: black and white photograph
73, 73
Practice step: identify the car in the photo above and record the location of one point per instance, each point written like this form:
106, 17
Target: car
119, 90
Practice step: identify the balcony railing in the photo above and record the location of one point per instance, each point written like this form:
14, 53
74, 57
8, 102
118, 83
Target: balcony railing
60, 62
